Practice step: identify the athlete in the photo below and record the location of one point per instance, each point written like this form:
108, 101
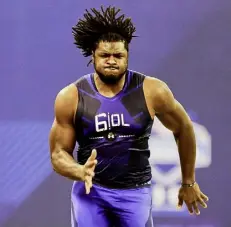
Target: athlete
109, 114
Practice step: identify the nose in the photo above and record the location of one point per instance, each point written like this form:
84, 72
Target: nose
111, 60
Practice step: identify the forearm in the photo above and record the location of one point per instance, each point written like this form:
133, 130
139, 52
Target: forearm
186, 143
64, 164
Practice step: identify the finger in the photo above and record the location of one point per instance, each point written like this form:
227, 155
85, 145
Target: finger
93, 155
90, 164
90, 172
88, 184
195, 207
189, 206
204, 197
202, 203
180, 202
87, 188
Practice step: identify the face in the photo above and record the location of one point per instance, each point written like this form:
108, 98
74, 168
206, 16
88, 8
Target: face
110, 61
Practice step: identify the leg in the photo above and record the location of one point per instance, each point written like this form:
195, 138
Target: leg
85, 211
135, 208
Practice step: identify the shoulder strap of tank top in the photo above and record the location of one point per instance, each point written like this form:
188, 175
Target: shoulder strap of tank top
135, 81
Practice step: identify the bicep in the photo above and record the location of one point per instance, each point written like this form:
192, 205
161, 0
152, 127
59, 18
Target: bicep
62, 137
62, 133
175, 117
169, 111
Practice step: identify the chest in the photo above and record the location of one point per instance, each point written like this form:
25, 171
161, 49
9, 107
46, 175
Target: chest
121, 116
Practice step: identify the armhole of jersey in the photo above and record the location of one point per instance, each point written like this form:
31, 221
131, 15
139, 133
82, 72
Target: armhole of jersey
76, 106
77, 114
150, 114
78, 83
139, 80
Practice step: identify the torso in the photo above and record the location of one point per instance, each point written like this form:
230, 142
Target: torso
118, 128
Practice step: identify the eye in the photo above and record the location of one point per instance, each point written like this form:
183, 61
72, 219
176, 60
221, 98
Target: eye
118, 56
105, 55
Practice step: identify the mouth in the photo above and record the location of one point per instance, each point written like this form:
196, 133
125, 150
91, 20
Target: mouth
111, 68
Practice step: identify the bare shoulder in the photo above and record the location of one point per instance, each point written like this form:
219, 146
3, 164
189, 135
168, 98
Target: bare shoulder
155, 83
161, 95
66, 102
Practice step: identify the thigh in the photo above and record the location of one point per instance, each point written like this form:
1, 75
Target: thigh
135, 208
84, 210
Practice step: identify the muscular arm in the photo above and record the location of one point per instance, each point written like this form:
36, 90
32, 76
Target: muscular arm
62, 135
173, 116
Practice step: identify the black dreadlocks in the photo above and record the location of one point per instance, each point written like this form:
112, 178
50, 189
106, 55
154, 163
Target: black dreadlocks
102, 26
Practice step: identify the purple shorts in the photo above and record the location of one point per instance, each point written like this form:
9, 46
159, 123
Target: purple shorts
106, 207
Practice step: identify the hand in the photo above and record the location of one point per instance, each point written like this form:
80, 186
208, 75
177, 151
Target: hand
192, 196
88, 171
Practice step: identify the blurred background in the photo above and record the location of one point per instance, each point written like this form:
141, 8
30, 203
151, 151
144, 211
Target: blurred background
185, 43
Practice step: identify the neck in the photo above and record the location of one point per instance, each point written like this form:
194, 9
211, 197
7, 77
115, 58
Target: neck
108, 90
